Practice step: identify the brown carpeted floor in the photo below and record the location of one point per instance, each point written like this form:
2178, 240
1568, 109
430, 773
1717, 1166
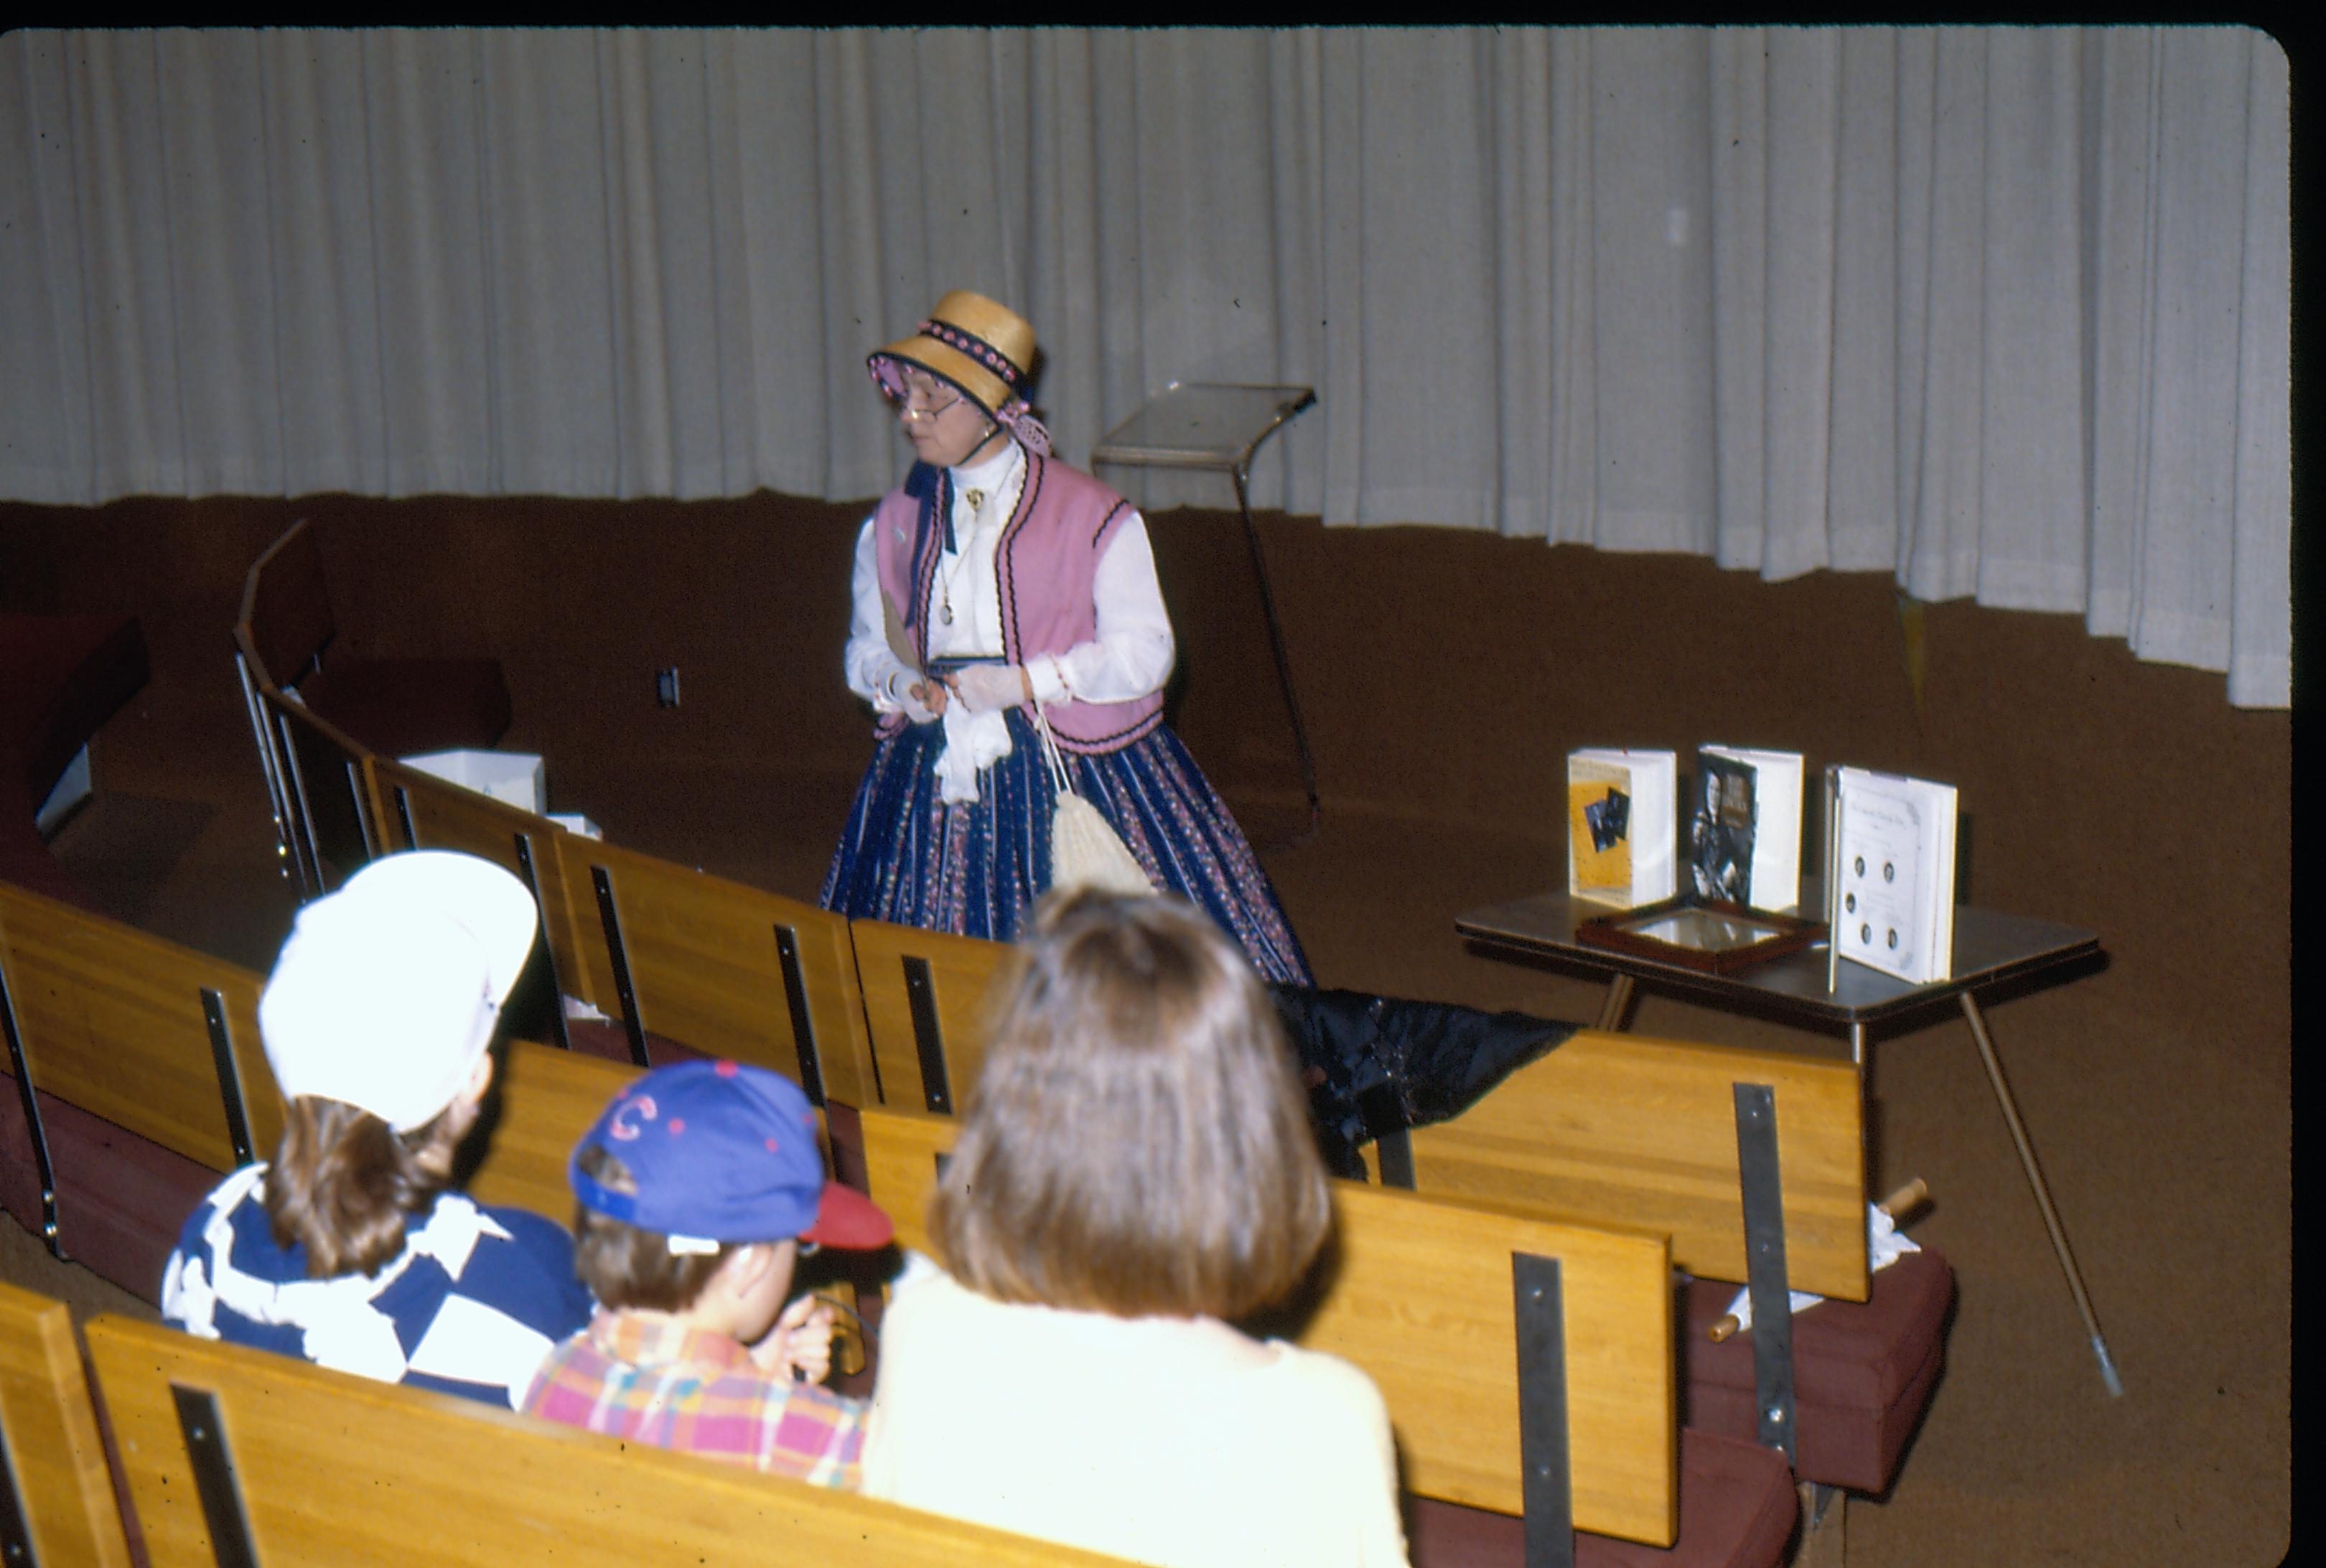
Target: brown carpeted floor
1443, 675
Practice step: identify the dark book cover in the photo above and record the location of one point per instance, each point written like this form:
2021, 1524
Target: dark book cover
1720, 822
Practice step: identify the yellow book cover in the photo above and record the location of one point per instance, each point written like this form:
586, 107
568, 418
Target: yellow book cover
1598, 800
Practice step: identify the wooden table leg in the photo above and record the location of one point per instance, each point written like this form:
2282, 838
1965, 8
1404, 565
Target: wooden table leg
2042, 1192
1619, 997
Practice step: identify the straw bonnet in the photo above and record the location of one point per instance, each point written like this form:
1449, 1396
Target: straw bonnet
983, 348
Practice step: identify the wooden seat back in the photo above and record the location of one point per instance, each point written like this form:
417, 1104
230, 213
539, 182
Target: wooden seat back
114, 1021
927, 1001
422, 811
49, 1450
543, 1100
326, 1467
728, 969
331, 785
286, 617
1628, 1130
1418, 1292
259, 680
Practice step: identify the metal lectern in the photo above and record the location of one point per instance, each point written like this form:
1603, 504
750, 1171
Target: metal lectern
1216, 427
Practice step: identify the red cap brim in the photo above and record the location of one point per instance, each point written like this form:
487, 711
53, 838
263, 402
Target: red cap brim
845, 1218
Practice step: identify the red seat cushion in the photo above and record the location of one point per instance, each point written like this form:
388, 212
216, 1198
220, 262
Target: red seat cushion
400, 707
1736, 1510
1863, 1372
120, 1199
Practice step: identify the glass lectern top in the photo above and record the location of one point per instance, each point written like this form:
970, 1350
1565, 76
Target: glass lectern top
1211, 425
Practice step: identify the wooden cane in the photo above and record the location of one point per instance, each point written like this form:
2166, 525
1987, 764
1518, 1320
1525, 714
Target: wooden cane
1905, 1200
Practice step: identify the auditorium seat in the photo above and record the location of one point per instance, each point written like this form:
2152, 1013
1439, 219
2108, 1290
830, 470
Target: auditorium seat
1862, 1371
393, 707
66, 674
121, 1198
1735, 1505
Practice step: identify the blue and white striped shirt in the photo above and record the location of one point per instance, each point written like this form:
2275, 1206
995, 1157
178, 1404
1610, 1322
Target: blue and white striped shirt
469, 1306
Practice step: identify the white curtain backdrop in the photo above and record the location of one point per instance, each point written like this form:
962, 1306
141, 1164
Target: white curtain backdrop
2001, 311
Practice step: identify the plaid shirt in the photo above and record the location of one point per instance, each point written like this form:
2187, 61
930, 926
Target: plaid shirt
659, 1382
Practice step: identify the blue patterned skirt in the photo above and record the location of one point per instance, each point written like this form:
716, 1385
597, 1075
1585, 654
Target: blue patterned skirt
907, 857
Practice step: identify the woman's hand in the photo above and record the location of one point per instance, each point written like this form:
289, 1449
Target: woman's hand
983, 688
925, 701
799, 1347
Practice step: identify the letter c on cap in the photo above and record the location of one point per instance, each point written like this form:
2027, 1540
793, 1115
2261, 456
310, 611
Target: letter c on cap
627, 1132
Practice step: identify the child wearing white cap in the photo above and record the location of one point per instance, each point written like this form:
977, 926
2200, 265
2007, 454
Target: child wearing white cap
348, 1249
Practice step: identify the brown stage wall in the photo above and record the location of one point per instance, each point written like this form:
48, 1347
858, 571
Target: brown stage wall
1445, 674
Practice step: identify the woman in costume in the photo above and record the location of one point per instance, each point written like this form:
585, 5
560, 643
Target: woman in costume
994, 581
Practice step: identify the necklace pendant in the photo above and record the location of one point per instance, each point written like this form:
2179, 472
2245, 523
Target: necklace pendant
945, 612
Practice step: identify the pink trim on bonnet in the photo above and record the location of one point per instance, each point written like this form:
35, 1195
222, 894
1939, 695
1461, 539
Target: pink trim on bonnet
1019, 421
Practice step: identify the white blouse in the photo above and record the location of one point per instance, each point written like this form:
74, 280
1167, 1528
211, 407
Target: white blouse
1130, 655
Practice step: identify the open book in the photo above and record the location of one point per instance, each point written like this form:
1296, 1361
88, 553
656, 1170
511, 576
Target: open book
1891, 894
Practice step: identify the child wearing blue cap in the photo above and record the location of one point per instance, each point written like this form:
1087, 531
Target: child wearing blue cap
698, 1189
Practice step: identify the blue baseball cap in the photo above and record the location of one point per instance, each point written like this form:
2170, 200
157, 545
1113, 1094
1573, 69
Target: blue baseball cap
720, 1152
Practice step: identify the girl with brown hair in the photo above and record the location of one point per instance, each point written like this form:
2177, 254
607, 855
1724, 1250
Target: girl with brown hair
1135, 1172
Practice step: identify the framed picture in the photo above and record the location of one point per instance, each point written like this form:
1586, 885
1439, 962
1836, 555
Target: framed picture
1699, 933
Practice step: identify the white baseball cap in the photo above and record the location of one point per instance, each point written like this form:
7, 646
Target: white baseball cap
387, 991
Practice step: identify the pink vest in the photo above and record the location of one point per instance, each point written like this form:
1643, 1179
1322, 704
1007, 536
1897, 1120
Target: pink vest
1045, 564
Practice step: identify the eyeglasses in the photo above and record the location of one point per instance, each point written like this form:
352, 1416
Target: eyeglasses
924, 403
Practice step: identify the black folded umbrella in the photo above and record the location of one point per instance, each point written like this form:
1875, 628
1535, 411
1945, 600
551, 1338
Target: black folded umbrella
1377, 1065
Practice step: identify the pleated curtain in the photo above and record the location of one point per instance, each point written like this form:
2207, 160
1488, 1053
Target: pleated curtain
2004, 312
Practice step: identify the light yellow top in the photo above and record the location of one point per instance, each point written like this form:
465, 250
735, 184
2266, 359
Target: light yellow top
1164, 1439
